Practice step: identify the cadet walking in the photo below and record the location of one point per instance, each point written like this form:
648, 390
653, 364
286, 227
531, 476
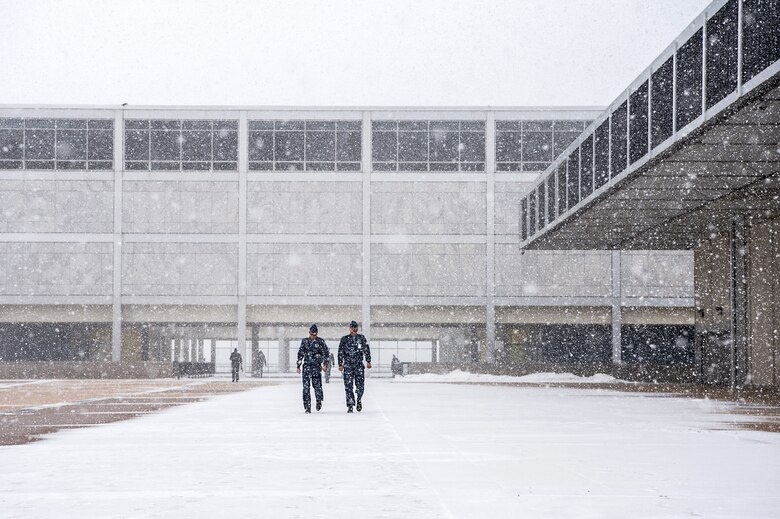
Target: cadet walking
260, 363
353, 349
313, 354
236, 363
331, 362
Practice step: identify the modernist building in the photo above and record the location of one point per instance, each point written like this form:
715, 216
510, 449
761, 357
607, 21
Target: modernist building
141, 235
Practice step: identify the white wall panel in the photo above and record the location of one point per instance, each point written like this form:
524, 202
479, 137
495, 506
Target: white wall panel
31, 269
180, 207
428, 269
552, 274
428, 208
56, 206
507, 206
305, 269
657, 274
304, 207
180, 269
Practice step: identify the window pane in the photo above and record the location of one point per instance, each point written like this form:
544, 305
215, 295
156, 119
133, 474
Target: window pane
261, 146
101, 145
137, 145
348, 146
443, 146
225, 145
384, 146
472, 147
321, 146
11, 144
288, 146
509, 146
413, 146
39, 144
165, 145
196, 145
71, 144
537, 147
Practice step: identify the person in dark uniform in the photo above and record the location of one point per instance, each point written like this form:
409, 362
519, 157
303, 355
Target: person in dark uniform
353, 349
236, 363
331, 362
313, 354
261, 363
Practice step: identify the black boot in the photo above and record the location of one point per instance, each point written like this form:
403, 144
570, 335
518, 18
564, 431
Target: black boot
349, 408
319, 405
359, 406
307, 408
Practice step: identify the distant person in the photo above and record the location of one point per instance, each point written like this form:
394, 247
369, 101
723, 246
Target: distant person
353, 349
396, 368
260, 363
314, 355
236, 363
331, 362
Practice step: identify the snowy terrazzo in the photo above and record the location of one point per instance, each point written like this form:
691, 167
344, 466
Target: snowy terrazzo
432, 450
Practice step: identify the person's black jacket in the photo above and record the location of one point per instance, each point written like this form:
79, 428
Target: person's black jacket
353, 350
313, 353
235, 359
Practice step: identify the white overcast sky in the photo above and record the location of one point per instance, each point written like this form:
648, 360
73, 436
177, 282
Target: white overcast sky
331, 52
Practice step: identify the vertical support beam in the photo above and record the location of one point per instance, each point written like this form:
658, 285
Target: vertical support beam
739, 48
674, 88
366, 226
119, 166
490, 227
243, 166
739, 300
616, 309
704, 67
255, 347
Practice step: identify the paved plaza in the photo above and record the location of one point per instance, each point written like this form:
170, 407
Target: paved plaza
423, 449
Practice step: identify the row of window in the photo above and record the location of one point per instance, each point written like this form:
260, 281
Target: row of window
209, 145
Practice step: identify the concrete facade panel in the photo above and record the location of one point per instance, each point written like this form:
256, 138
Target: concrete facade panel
507, 206
304, 207
33, 269
180, 207
304, 269
176, 269
71, 206
656, 274
428, 269
428, 208
552, 274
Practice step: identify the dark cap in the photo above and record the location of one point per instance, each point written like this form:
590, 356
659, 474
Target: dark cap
353, 324
313, 328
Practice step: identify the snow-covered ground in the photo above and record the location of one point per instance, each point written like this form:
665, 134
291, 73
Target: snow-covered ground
417, 450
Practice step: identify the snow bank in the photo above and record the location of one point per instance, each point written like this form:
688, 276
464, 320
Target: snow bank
534, 378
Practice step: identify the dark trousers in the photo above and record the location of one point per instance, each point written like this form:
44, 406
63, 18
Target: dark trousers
235, 372
354, 376
311, 375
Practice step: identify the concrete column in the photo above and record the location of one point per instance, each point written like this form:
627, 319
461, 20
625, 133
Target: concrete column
366, 226
763, 303
213, 351
119, 166
284, 355
739, 298
617, 355
243, 166
490, 276
255, 345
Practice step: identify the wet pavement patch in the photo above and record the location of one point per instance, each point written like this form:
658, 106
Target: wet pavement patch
31, 409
